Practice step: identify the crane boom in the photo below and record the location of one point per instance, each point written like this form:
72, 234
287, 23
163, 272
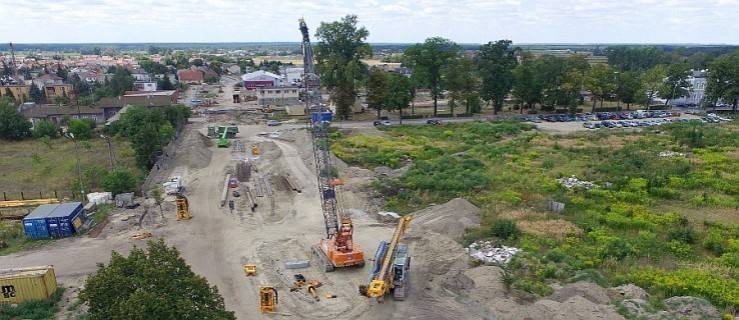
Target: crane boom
393, 262
338, 249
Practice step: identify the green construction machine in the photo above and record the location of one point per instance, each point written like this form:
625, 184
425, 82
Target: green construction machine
217, 131
223, 141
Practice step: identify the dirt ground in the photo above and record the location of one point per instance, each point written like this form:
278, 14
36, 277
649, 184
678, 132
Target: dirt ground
217, 242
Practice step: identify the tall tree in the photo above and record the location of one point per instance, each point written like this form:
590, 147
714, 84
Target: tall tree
428, 60
600, 82
723, 80
676, 82
376, 88
652, 80
627, 87
398, 94
527, 84
13, 124
495, 63
637, 59
462, 84
153, 282
338, 54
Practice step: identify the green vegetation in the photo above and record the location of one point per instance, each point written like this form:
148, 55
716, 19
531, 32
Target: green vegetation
34, 310
13, 124
174, 291
668, 223
120, 180
15, 237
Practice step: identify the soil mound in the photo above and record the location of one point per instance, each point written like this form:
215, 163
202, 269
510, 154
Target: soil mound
450, 219
193, 149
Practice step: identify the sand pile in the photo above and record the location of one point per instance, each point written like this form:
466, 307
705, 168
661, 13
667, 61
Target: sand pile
451, 218
193, 150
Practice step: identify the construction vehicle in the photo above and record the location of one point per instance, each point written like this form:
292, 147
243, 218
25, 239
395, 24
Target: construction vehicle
223, 141
267, 109
338, 248
267, 299
183, 208
250, 270
217, 131
390, 269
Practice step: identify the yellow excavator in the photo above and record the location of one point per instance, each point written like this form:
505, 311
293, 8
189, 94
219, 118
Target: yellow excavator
390, 268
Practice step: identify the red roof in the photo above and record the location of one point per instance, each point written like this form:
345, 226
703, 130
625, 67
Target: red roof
190, 75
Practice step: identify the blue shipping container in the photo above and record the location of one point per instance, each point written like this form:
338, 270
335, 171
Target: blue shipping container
65, 219
35, 223
321, 116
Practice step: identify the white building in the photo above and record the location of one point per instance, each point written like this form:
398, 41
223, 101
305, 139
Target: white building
294, 75
260, 79
697, 89
277, 96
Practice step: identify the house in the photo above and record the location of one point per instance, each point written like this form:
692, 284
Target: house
156, 99
696, 91
190, 76
231, 68
261, 78
276, 96
52, 91
17, 90
210, 74
55, 113
145, 86
140, 74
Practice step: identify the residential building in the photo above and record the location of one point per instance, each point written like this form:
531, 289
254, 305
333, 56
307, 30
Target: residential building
145, 86
52, 91
697, 90
190, 76
277, 96
231, 68
156, 99
261, 78
17, 90
55, 113
210, 74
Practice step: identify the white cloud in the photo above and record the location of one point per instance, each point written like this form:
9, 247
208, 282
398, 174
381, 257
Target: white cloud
464, 21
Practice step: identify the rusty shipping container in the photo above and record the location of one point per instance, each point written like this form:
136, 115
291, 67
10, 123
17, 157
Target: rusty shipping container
26, 284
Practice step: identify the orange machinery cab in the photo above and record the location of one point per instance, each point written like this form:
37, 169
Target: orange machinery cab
341, 251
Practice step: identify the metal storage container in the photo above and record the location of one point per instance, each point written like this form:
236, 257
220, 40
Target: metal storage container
26, 284
35, 223
65, 219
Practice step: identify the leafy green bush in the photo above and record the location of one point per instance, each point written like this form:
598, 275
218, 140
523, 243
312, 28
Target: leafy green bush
120, 180
81, 129
34, 310
45, 128
504, 229
682, 234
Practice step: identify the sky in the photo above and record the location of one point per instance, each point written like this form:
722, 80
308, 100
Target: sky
388, 21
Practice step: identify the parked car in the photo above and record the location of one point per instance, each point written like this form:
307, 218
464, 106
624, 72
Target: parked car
381, 123
434, 121
588, 125
273, 123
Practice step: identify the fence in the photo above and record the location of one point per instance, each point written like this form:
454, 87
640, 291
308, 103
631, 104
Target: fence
10, 195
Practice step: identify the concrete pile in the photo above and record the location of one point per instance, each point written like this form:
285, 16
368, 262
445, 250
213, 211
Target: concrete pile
573, 182
490, 253
671, 154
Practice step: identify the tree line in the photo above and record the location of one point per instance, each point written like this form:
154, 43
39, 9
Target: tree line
497, 72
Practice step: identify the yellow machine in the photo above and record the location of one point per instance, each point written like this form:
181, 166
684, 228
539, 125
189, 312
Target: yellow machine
267, 299
183, 208
250, 270
140, 236
390, 269
267, 109
255, 150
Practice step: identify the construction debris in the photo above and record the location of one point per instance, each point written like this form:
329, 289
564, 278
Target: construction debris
671, 154
573, 182
490, 253
297, 264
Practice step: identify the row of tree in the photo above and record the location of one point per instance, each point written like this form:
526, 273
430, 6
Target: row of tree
497, 72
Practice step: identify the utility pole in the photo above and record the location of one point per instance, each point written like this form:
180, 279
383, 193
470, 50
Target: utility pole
110, 151
15, 72
79, 167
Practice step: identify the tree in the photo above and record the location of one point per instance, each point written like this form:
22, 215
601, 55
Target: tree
119, 180
676, 82
495, 64
45, 128
627, 87
9, 94
398, 95
377, 85
600, 82
13, 124
637, 59
156, 194
153, 281
723, 80
428, 60
651, 81
146, 142
36, 94
166, 83
338, 55
461, 84
526, 82
121, 80
80, 128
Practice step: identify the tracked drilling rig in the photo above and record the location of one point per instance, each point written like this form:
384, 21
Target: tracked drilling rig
337, 249
391, 267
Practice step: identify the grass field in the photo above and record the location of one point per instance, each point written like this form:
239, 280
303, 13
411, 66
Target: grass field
31, 167
667, 223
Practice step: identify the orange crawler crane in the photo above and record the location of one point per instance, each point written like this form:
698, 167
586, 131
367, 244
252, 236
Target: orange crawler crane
337, 250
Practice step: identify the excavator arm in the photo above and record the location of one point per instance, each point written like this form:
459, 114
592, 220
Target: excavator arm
391, 263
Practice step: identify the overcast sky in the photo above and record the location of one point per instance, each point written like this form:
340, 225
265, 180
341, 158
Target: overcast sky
406, 21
